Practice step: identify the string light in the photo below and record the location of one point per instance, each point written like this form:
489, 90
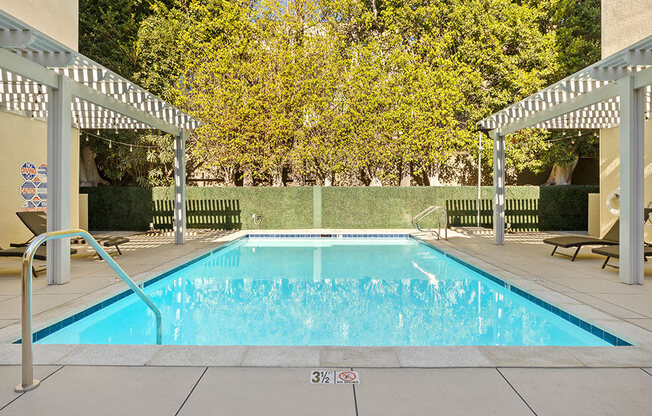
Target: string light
111, 142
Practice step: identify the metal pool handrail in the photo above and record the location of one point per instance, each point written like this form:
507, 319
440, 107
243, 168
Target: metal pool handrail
28, 380
426, 212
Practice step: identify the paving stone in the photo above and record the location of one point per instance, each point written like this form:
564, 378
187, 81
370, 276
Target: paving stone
359, 357
10, 377
281, 356
579, 392
199, 355
100, 391
266, 391
462, 356
91, 354
450, 391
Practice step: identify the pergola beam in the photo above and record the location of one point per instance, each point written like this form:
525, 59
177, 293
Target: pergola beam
16, 38
574, 104
106, 101
27, 69
611, 73
639, 57
50, 59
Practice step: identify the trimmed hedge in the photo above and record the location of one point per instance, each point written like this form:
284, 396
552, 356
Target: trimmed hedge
133, 208
527, 207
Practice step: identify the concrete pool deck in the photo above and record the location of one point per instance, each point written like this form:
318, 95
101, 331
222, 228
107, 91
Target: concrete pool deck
580, 288
185, 391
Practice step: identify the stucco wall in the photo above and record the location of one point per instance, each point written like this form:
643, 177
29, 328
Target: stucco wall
610, 173
56, 18
24, 139
624, 22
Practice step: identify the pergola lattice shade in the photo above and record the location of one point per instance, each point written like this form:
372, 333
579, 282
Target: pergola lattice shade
603, 114
18, 93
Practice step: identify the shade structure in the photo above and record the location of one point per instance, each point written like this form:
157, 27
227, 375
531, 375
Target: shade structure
613, 92
42, 78
588, 99
19, 92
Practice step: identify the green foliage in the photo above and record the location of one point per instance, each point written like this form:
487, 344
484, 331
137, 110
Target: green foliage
575, 25
528, 207
346, 92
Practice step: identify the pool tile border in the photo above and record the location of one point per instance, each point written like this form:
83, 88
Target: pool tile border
599, 332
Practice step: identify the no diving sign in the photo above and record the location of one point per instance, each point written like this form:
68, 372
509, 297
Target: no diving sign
334, 377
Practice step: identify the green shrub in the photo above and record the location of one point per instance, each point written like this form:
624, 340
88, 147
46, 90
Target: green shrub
527, 207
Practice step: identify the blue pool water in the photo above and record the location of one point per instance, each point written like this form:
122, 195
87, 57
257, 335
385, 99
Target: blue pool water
327, 291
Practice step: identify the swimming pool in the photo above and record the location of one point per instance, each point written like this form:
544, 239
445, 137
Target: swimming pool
336, 290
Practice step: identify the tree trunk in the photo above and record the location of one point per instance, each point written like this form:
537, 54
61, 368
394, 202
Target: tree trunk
433, 176
560, 175
277, 178
230, 176
248, 179
88, 173
406, 175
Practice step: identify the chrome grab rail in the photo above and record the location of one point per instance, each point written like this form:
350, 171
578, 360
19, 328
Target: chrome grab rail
28, 380
426, 212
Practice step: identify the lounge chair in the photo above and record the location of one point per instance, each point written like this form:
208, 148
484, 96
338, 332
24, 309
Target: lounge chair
579, 241
36, 222
614, 251
40, 254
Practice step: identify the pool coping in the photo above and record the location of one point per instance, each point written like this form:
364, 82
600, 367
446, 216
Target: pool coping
330, 356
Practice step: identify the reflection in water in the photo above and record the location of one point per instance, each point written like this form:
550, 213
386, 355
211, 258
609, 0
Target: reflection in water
324, 292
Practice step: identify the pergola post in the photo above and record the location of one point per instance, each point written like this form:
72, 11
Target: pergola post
499, 189
180, 187
59, 180
632, 223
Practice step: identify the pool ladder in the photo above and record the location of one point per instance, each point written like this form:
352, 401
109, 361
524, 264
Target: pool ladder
441, 212
28, 380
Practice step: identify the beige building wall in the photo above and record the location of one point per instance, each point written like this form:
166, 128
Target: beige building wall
624, 22
610, 173
24, 139
56, 18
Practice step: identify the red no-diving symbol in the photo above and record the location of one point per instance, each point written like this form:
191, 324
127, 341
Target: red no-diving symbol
347, 376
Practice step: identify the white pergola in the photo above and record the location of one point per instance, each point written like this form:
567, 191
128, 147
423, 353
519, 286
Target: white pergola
41, 78
612, 92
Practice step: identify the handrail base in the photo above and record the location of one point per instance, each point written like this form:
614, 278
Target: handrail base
22, 389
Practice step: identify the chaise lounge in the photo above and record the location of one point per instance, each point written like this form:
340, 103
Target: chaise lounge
614, 251
579, 241
40, 254
36, 222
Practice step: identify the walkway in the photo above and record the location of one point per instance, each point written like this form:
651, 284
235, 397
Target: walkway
72, 390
